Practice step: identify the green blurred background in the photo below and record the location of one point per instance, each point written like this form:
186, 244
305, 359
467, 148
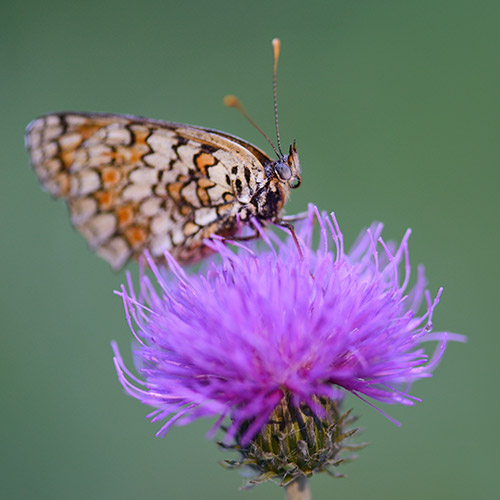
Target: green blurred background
395, 108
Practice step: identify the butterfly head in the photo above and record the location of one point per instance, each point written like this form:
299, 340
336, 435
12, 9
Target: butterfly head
287, 168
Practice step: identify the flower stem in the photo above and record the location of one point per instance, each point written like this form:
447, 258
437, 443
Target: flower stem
298, 489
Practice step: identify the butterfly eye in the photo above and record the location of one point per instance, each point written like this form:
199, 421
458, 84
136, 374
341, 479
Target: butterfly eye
295, 182
283, 171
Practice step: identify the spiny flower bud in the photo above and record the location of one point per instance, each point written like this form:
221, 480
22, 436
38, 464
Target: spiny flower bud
297, 442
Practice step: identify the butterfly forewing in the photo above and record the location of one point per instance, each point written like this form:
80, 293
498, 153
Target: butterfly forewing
133, 184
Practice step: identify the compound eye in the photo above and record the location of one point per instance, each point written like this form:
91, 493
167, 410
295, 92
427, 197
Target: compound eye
295, 182
283, 171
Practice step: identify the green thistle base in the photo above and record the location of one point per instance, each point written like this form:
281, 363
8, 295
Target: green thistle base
296, 442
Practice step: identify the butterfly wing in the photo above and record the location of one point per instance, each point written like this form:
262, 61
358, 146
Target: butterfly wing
133, 184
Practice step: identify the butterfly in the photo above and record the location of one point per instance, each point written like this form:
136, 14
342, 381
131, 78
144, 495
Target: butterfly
135, 184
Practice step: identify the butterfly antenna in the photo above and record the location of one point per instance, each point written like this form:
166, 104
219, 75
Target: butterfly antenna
233, 102
276, 51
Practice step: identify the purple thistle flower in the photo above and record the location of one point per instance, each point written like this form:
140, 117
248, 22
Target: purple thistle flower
270, 322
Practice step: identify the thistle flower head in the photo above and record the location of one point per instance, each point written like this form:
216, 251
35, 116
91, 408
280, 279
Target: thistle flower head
269, 323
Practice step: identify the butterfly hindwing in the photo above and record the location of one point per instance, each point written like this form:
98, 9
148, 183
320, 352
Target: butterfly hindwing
133, 184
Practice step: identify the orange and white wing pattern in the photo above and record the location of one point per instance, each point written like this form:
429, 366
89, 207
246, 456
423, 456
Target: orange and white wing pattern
133, 184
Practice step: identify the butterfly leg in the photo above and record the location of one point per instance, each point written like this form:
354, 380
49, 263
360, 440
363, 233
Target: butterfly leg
255, 235
282, 222
287, 225
279, 222
294, 217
